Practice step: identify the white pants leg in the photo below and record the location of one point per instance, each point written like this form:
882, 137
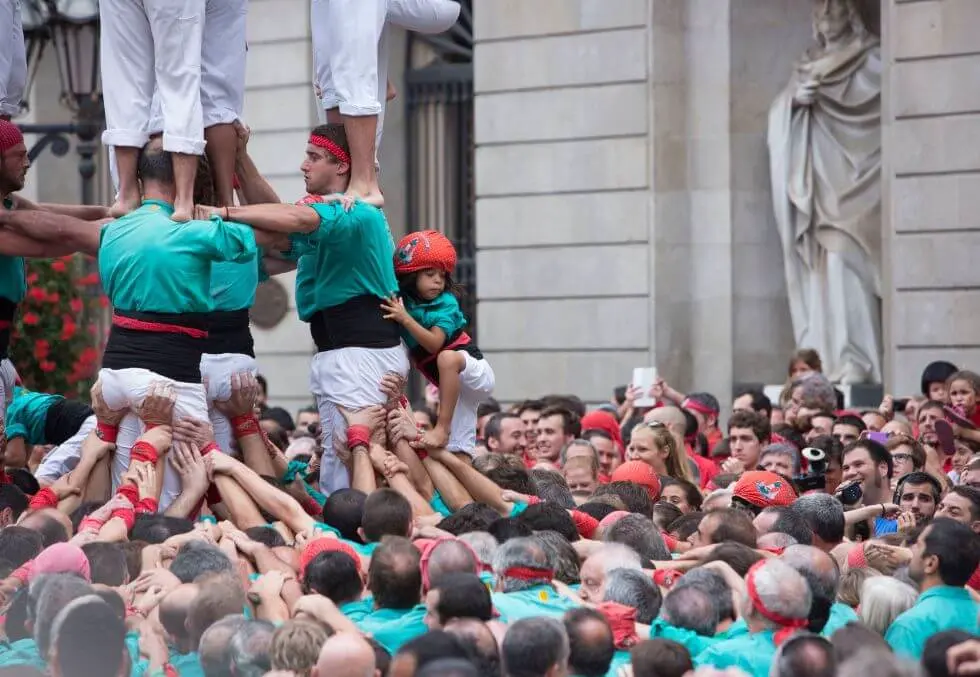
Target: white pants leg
8, 379
353, 32
178, 27
319, 20
63, 458
223, 61
476, 383
127, 388
216, 371
348, 378
13, 58
127, 72
423, 16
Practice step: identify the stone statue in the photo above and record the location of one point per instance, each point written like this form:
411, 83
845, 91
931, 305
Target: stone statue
825, 162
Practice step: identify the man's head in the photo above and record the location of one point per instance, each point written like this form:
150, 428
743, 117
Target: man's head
825, 515
919, 493
19, 545
14, 161
220, 596
394, 576
49, 594
296, 646
326, 163
805, 655
821, 574
753, 400
606, 449
345, 655
582, 477
251, 649
775, 590
457, 595
479, 642
869, 464
784, 520
521, 563
961, 504
700, 601
946, 553
748, 432
174, 609
196, 558
535, 647
504, 434
597, 567
530, 413
590, 641
848, 428
640, 534
214, 648
928, 415
728, 524
705, 408
88, 638
781, 458
13, 502
386, 513
107, 562
53, 525
634, 589
821, 423
556, 427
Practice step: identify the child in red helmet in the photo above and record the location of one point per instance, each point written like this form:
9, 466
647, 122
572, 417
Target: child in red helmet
432, 327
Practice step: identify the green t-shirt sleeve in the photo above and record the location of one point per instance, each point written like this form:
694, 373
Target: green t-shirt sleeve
906, 640
334, 221
16, 429
224, 240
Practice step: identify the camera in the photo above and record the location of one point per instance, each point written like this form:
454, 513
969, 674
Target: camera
815, 478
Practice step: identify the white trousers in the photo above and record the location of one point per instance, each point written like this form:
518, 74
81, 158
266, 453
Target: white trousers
63, 458
476, 383
127, 388
216, 371
350, 48
8, 379
347, 378
147, 43
13, 58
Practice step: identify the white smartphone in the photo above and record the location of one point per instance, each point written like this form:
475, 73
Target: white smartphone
644, 378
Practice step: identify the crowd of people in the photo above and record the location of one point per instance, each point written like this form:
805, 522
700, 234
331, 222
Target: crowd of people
177, 524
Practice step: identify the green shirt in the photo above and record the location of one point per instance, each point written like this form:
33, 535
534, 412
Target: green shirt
353, 251
443, 312
690, 640
937, 609
395, 627
359, 610
306, 287
22, 652
233, 284
541, 600
752, 653
620, 659
840, 615
149, 263
27, 414
13, 271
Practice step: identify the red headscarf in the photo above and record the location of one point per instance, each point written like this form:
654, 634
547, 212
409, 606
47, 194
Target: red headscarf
10, 135
606, 422
787, 626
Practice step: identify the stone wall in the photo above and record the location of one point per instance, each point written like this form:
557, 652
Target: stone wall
932, 186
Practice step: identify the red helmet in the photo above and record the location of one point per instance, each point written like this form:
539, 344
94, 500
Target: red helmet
425, 249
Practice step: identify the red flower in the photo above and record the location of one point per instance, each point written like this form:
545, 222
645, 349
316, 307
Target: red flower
54, 297
76, 305
58, 266
41, 349
88, 356
30, 319
46, 366
89, 280
37, 294
32, 278
67, 258
68, 330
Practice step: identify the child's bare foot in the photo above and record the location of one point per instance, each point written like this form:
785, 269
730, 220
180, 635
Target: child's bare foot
124, 205
183, 211
437, 438
366, 193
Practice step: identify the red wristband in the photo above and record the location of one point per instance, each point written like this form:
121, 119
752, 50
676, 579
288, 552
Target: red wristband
403, 402
669, 541
358, 435
129, 492
46, 498
150, 426
106, 432
127, 515
533, 500
147, 505
144, 452
25, 572
311, 507
209, 447
245, 425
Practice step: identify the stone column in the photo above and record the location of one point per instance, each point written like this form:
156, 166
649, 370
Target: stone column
932, 187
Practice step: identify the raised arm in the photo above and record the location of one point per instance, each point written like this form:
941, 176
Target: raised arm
39, 233
276, 218
84, 212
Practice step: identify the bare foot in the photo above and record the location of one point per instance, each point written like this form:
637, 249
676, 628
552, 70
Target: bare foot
437, 438
124, 205
367, 193
183, 211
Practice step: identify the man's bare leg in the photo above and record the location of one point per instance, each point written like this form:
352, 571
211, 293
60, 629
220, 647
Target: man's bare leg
361, 134
127, 159
222, 148
185, 171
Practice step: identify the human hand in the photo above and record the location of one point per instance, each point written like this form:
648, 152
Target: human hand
268, 585
733, 465
195, 473
153, 644
205, 212
146, 479
887, 407
244, 395
394, 309
243, 133
402, 426
63, 487
806, 93
906, 521
157, 408
371, 417
221, 463
964, 658
151, 599
193, 431
110, 417
392, 385
158, 578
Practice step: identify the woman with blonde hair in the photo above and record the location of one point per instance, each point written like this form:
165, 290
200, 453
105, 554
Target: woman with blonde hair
654, 444
883, 598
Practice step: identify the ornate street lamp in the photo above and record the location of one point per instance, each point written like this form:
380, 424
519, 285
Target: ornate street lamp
71, 27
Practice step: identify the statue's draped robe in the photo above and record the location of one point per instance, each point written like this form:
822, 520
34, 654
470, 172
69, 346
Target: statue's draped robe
825, 163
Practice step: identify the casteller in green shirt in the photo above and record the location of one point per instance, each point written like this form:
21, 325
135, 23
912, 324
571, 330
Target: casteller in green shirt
443, 312
539, 600
13, 272
395, 627
152, 264
752, 653
937, 609
27, 414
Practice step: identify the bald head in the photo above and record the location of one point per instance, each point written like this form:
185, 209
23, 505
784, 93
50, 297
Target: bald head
822, 576
672, 417
452, 557
474, 631
345, 655
53, 525
174, 609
